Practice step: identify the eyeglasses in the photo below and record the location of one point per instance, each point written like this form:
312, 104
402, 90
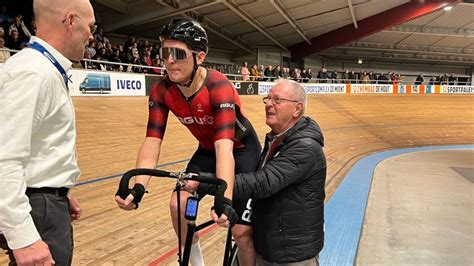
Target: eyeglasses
276, 100
176, 53
92, 28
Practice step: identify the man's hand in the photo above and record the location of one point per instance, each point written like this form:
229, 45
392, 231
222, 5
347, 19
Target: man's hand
34, 254
74, 208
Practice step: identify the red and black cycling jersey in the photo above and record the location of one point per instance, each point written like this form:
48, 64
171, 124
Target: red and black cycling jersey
211, 114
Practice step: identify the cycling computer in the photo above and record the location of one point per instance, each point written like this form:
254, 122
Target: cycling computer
191, 208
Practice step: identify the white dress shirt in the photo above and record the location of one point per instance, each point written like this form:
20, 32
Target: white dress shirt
37, 137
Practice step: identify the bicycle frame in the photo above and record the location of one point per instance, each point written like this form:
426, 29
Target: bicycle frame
183, 257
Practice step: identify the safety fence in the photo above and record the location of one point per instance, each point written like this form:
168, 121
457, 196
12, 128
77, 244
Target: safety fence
100, 83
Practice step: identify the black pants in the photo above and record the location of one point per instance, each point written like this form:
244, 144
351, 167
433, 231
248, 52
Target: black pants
52, 219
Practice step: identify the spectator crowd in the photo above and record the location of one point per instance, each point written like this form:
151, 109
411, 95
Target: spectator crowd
14, 32
142, 56
270, 73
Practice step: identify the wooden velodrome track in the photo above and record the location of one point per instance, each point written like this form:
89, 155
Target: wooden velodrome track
111, 129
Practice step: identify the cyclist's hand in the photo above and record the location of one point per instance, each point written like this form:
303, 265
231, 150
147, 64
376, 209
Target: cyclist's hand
221, 221
191, 186
224, 215
134, 197
126, 204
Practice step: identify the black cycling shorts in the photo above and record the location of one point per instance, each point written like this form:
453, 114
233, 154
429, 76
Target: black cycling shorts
246, 161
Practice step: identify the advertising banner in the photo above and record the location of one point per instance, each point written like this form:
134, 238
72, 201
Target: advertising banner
310, 88
452, 89
99, 83
150, 81
264, 87
371, 88
246, 88
324, 88
417, 88
403, 88
430, 89
425, 89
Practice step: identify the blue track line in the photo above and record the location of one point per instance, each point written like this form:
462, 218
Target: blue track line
120, 174
345, 211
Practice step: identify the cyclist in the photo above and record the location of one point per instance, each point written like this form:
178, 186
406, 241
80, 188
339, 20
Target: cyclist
205, 102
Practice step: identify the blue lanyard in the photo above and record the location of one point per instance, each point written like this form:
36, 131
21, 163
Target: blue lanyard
51, 58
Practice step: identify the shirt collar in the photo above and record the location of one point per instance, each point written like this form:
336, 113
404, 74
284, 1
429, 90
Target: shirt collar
272, 136
63, 61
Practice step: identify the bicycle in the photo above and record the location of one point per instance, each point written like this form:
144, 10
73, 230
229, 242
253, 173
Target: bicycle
192, 205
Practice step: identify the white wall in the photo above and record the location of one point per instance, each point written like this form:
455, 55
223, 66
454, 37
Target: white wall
250, 59
314, 64
269, 56
219, 57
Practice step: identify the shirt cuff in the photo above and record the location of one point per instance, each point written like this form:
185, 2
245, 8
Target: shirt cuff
22, 236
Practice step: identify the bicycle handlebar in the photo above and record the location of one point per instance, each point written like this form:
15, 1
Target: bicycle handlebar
208, 178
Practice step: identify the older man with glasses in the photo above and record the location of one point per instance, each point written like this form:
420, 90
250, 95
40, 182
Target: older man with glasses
288, 187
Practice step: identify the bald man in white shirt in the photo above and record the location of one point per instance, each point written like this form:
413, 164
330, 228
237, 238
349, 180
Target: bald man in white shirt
38, 162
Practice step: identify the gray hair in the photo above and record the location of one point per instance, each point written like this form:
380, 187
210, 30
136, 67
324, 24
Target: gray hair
297, 91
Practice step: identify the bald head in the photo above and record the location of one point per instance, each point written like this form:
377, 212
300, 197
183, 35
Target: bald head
65, 24
50, 11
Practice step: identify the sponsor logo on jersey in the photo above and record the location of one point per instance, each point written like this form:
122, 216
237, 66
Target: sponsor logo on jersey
227, 105
206, 120
199, 108
240, 125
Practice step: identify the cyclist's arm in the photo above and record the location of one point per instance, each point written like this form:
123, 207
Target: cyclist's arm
225, 163
148, 156
223, 99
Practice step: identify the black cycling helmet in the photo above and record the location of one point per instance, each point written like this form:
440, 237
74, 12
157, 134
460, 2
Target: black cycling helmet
188, 31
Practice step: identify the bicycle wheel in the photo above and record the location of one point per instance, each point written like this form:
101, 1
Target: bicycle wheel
234, 258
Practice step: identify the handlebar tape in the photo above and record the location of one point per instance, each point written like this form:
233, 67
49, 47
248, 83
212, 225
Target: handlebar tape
124, 190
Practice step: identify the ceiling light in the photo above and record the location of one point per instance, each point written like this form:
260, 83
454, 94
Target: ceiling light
359, 61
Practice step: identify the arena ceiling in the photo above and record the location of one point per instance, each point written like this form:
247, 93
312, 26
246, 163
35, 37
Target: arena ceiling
398, 31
